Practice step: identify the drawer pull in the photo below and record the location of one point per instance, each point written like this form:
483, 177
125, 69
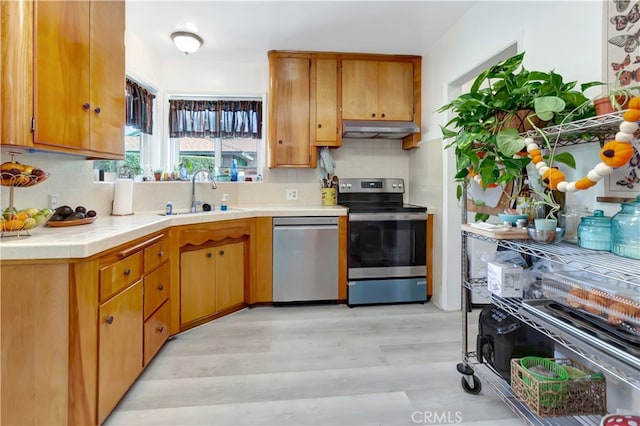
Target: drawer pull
161, 287
160, 329
127, 272
109, 320
373, 114
319, 125
209, 254
86, 106
97, 110
383, 115
221, 252
160, 253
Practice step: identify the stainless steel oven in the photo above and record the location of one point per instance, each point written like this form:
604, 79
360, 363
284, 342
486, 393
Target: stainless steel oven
387, 243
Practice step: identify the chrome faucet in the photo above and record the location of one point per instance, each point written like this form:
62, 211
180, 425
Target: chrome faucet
194, 202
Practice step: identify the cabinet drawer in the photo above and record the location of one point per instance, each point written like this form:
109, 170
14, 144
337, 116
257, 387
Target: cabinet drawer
156, 254
156, 289
156, 332
119, 347
121, 274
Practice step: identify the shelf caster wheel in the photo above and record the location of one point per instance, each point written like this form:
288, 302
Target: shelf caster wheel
468, 388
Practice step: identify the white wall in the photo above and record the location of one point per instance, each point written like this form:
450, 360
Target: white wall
565, 36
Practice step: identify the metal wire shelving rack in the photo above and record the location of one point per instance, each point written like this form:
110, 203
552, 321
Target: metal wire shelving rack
615, 361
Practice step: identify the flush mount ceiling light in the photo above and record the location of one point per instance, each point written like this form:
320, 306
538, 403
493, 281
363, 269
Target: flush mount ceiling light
186, 41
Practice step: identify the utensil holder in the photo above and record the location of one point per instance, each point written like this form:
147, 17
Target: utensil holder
329, 197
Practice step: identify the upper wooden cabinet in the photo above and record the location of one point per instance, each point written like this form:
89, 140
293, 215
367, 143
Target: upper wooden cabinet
79, 76
73, 100
325, 102
377, 90
312, 92
289, 137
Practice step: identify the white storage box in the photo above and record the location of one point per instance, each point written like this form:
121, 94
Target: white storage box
504, 279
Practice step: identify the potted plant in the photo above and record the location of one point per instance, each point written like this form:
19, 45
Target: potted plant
157, 174
504, 101
616, 99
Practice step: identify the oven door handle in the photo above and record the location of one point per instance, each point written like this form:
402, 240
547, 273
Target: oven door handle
379, 217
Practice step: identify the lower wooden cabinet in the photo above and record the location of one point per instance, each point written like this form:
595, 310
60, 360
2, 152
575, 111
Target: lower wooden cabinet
133, 315
156, 332
211, 280
229, 275
119, 347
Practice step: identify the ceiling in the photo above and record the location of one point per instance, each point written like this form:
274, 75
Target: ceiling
246, 30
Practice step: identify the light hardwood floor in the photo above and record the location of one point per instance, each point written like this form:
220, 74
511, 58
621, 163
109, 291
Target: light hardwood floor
313, 365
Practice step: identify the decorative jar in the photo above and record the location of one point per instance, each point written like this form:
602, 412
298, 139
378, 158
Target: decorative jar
625, 230
569, 219
594, 232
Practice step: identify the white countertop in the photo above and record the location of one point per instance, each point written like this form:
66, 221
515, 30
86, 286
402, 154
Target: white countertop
109, 231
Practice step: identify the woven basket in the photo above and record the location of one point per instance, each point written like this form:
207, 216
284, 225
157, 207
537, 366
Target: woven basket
572, 397
519, 121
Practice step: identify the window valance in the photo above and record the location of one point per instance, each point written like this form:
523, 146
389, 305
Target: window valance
139, 107
215, 118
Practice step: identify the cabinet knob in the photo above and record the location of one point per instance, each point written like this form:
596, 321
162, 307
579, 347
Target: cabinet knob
221, 252
86, 106
160, 253
127, 272
161, 287
97, 110
373, 114
383, 115
161, 329
319, 125
280, 142
109, 320
209, 254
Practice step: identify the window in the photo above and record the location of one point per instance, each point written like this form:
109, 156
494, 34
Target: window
216, 135
139, 102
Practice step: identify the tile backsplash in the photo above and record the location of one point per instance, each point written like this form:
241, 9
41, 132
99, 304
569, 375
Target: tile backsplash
72, 180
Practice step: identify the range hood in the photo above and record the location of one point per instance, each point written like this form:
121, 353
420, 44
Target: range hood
364, 129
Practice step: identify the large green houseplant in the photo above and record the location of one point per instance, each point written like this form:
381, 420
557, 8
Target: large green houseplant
504, 101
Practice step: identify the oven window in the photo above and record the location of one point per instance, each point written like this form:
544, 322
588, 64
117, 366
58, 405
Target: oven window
393, 243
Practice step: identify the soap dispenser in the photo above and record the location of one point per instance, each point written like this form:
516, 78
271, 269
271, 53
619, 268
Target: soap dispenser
223, 202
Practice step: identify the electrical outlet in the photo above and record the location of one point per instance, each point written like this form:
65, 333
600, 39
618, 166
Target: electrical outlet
292, 194
53, 201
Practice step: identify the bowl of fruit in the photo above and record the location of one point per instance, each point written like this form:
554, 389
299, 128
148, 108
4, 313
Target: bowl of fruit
15, 174
14, 220
67, 216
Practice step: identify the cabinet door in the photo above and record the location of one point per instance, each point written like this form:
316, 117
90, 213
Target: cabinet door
120, 347
395, 91
197, 284
229, 275
291, 113
107, 77
359, 90
62, 78
326, 102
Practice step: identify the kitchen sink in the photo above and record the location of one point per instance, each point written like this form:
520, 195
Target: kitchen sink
202, 212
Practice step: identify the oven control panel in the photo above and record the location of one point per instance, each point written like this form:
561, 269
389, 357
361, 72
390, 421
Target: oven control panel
369, 185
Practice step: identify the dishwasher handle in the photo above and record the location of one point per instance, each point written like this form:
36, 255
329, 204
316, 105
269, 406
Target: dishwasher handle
305, 221
304, 227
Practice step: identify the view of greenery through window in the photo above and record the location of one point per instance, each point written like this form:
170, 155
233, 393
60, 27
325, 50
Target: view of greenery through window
194, 154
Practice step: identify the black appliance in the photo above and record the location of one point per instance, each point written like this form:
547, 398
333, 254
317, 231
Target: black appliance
502, 337
387, 242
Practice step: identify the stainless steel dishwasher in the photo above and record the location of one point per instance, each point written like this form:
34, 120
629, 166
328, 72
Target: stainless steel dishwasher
305, 259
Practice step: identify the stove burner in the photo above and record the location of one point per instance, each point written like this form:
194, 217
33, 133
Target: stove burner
374, 195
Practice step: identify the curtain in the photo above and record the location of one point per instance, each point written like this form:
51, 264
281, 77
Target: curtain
139, 107
216, 119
